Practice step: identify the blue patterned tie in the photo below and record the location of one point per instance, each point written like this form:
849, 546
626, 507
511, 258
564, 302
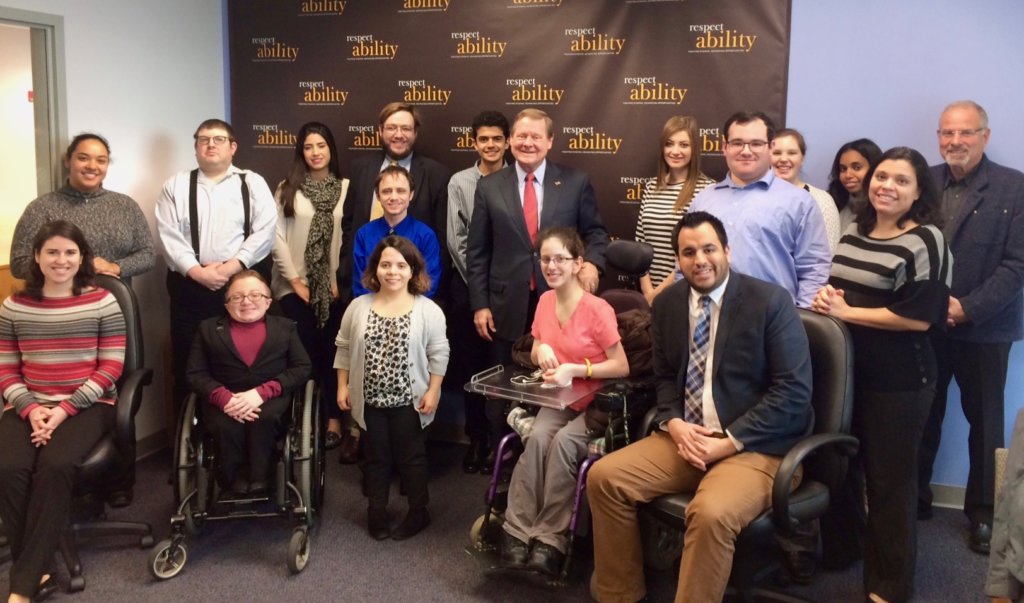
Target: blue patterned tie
693, 394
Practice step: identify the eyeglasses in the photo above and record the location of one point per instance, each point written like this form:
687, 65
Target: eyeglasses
216, 140
392, 128
557, 260
252, 297
755, 145
967, 134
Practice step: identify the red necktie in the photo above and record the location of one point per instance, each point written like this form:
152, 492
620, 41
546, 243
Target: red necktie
530, 213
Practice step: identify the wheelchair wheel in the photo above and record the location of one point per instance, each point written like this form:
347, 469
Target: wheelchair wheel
298, 550
310, 472
167, 559
189, 456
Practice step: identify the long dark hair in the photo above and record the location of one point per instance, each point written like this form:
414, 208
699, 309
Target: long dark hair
297, 173
86, 271
869, 150
926, 210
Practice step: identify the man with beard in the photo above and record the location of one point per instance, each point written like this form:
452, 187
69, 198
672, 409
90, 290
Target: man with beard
398, 126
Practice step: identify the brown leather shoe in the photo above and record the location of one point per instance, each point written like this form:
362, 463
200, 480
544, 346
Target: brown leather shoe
349, 449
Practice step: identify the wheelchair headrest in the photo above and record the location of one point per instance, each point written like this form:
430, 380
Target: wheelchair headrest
629, 257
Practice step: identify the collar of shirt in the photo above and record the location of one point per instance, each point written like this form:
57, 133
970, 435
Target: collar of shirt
715, 295
764, 182
968, 180
480, 174
537, 173
204, 180
405, 162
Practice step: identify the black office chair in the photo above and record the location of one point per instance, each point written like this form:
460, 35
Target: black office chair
825, 456
108, 454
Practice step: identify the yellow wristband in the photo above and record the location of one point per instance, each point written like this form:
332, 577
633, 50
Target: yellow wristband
590, 368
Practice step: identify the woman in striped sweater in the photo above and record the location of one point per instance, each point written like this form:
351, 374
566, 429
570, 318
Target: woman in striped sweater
890, 283
667, 197
62, 344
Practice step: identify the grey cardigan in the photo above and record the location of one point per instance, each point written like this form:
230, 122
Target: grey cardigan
428, 349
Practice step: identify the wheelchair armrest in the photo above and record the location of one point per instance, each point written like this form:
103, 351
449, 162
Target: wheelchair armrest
845, 445
129, 400
648, 425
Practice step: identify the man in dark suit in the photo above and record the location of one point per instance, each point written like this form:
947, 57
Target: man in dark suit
510, 208
504, 273
733, 373
983, 203
398, 127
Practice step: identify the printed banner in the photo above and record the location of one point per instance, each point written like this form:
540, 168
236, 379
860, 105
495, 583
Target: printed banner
609, 72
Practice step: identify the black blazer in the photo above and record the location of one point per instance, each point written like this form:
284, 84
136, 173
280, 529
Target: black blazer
429, 205
499, 255
762, 363
988, 253
215, 360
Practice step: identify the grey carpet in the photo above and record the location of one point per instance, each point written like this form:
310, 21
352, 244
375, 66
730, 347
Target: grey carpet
246, 561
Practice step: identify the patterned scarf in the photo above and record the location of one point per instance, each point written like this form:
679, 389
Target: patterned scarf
323, 195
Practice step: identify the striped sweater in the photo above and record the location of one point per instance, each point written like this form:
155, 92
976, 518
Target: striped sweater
60, 351
656, 220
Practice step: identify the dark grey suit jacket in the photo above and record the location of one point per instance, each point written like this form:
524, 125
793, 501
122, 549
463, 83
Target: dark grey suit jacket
215, 360
499, 255
429, 205
987, 244
762, 363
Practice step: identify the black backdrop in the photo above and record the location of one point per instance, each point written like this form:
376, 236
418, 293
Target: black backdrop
609, 72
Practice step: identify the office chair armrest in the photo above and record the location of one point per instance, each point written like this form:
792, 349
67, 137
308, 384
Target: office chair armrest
845, 445
129, 400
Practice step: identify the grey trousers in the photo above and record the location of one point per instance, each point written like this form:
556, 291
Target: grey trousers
544, 480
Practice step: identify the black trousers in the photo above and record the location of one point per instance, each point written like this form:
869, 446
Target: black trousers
251, 443
499, 351
319, 344
191, 304
394, 438
889, 427
469, 357
980, 371
36, 486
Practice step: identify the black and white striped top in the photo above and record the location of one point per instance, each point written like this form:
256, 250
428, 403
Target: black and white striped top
910, 275
656, 221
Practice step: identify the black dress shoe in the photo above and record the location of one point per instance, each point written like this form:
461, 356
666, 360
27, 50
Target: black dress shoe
801, 566
332, 440
514, 552
546, 559
377, 522
980, 537
349, 453
258, 487
46, 589
240, 486
475, 455
487, 465
119, 499
414, 522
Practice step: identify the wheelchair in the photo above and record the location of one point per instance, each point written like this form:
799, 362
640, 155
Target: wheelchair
626, 403
297, 493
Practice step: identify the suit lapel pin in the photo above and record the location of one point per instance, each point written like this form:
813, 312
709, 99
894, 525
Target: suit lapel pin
558, 183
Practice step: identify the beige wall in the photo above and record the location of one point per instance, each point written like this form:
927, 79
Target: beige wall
17, 169
143, 74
